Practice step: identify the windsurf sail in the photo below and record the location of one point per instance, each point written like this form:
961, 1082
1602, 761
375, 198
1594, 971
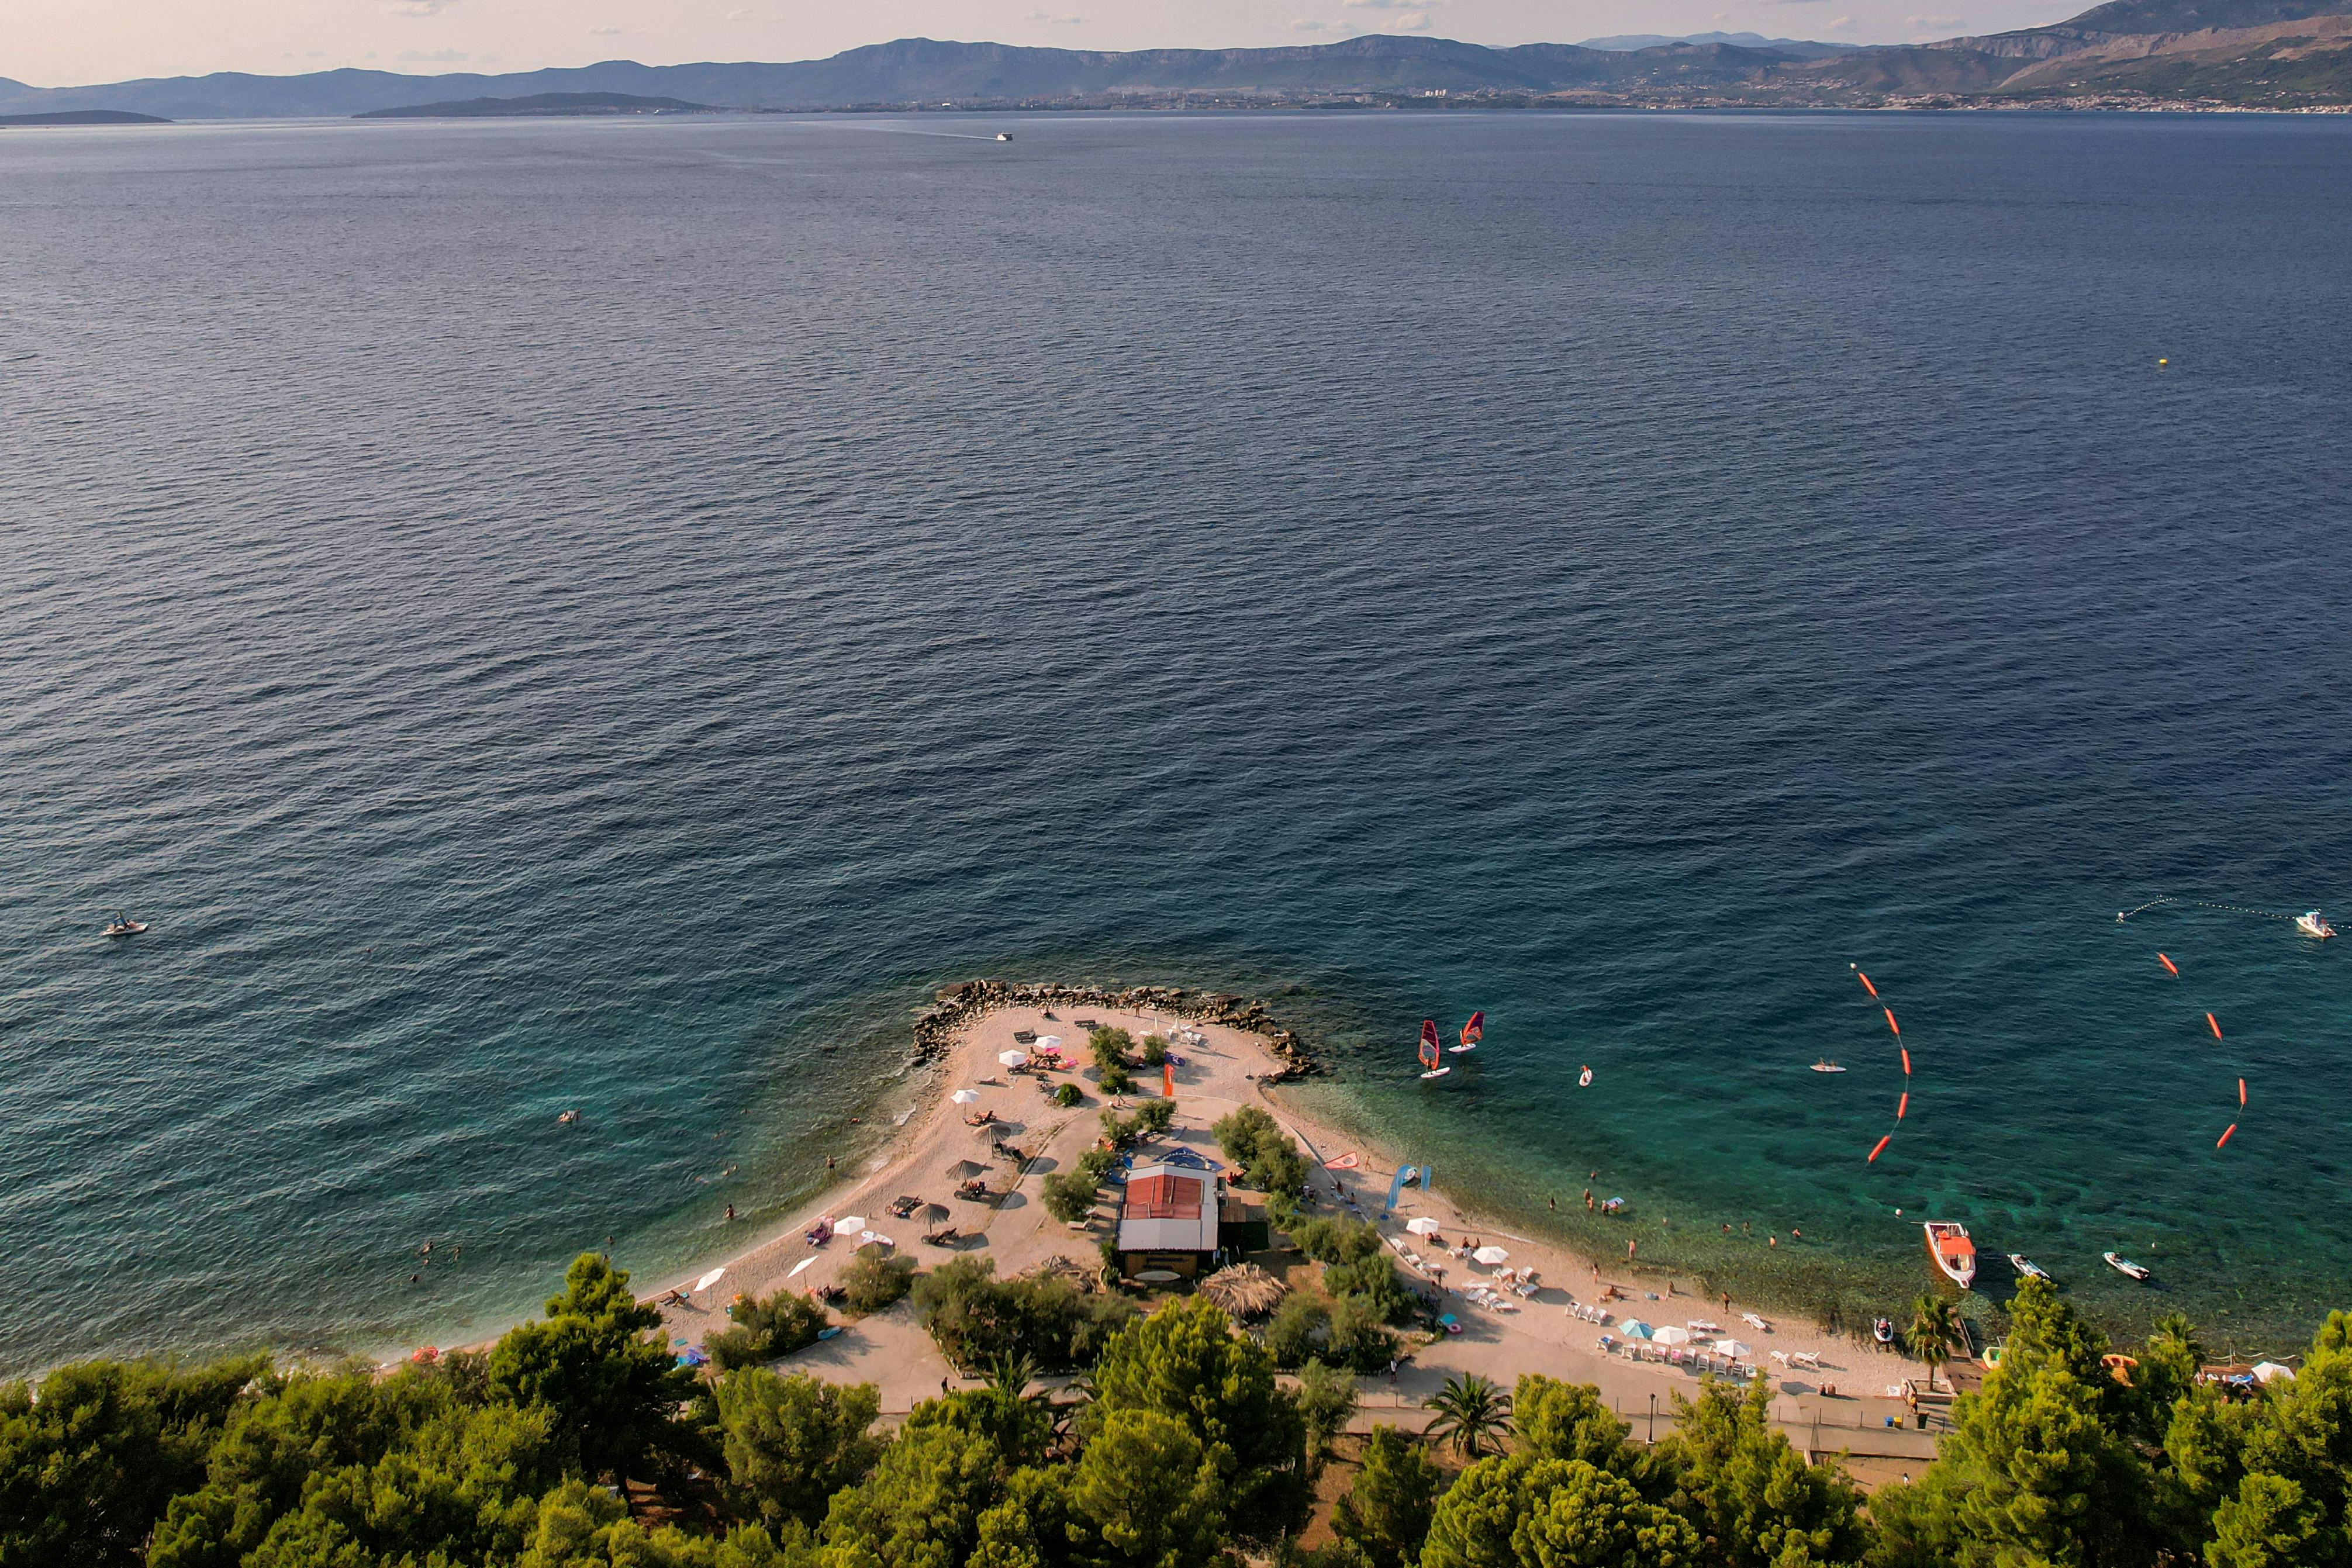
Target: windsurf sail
1430, 1049
1474, 1030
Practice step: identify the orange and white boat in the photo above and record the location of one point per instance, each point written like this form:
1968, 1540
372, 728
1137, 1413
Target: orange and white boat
1954, 1252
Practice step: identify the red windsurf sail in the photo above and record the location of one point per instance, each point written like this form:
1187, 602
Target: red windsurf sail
1474, 1030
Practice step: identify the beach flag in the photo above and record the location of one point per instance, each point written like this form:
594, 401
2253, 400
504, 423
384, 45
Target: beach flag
1168, 1079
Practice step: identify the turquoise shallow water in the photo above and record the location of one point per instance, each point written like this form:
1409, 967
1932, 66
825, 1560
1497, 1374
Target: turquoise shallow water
610, 614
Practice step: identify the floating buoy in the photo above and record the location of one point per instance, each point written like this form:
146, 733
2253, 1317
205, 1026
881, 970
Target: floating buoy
2241, 1094
1890, 1021
2212, 1026
1907, 1060
1881, 1149
1866, 985
2162, 363
1903, 1106
2225, 1137
2168, 963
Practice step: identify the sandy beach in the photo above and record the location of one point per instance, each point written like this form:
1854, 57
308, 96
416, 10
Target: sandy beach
936, 1150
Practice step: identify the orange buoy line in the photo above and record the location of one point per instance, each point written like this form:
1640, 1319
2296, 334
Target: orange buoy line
2169, 965
2212, 1026
1903, 1105
2241, 1094
2225, 1136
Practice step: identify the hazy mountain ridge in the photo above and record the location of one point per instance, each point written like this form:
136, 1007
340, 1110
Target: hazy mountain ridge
2265, 52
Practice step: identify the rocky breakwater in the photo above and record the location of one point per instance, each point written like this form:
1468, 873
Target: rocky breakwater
960, 1003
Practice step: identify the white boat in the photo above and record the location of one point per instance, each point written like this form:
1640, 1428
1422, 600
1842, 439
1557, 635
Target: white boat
2312, 923
1954, 1254
1584, 1079
1005, 136
2122, 1265
123, 925
1825, 1065
2027, 1268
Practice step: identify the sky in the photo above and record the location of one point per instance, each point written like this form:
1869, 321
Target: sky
61, 42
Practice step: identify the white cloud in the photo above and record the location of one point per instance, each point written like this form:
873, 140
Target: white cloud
1839, 23
1391, 5
1053, 21
422, 8
1935, 22
604, 33
433, 57
1412, 22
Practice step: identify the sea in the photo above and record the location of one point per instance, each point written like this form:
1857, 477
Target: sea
612, 615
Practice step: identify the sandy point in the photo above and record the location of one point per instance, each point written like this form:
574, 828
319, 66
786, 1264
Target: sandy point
1846, 1390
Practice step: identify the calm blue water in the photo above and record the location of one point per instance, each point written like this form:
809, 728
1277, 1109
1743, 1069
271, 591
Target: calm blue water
608, 615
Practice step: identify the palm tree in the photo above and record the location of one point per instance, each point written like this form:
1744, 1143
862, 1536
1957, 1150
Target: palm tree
1010, 1375
1470, 1410
1935, 1332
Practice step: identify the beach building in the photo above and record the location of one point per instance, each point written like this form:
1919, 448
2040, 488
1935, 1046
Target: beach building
1171, 1218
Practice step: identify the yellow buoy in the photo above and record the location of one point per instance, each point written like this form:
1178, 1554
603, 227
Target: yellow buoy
2162, 363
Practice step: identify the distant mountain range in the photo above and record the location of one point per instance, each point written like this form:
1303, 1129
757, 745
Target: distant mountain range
2241, 53
538, 104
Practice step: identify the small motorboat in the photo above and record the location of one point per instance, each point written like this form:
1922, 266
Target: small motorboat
1954, 1254
1825, 1065
2123, 1264
2311, 923
1882, 1329
1005, 136
2027, 1268
123, 925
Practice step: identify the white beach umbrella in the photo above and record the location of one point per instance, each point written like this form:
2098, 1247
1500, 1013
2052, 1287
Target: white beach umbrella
1012, 1059
2264, 1371
1491, 1254
708, 1280
1424, 1226
1734, 1349
850, 1222
964, 1096
1050, 1042
804, 1263
1671, 1335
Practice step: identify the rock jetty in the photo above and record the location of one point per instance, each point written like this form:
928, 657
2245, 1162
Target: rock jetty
960, 1003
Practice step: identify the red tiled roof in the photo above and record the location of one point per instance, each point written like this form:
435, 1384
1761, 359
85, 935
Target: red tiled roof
1163, 1197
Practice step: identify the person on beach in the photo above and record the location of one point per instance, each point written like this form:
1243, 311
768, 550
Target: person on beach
731, 1213
1773, 1240
1554, 1203
1629, 1252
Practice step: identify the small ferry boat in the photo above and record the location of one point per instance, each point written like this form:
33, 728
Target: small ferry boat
2312, 923
2027, 1268
1825, 1065
123, 925
2123, 1264
1954, 1254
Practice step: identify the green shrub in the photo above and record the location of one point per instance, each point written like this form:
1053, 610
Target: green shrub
1109, 1047
978, 1320
1327, 1398
1359, 1337
1269, 1160
1295, 1333
873, 1281
1069, 1195
766, 1331
1117, 1080
1155, 1050
1155, 1115
1066, 1095
1374, 1282
1095, 1165
1338, 1240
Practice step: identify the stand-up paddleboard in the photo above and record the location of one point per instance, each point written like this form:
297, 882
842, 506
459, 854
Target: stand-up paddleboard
1430, 1053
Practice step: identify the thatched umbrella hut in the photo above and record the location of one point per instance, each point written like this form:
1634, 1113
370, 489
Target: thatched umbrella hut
1243, 1290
